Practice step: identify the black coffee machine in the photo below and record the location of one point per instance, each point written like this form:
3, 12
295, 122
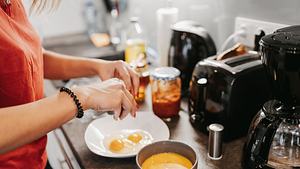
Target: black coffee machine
190, 43
274, 135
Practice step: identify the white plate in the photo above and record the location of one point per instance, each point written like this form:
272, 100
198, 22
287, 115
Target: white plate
105, 126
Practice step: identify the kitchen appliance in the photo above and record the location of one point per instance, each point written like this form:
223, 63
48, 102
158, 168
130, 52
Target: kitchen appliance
228, 92
190, 43
274, 135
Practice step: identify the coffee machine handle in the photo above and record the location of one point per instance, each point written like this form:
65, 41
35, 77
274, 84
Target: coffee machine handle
261, 140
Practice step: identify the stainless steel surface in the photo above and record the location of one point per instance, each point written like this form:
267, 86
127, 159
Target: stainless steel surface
215, 141
60, 155
67, 159
167, 146
81, 45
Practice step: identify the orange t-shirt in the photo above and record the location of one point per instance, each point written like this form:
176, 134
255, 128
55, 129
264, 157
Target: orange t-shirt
21, 80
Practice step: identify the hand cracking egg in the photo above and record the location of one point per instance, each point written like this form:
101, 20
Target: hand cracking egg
127, 141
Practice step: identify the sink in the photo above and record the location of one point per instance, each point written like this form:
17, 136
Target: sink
80, 45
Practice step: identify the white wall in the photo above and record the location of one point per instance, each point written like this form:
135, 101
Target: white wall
65, 20
218, 15
203, 11
215, 15
285, 12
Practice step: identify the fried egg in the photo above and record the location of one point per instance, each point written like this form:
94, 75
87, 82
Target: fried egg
135, 137
127, 141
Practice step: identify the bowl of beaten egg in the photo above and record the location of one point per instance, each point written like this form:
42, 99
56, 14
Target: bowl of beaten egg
167, 155
124, 138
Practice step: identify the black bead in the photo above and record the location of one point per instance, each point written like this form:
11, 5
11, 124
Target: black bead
79, 115
80, 112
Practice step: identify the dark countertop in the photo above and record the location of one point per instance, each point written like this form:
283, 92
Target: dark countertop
180, 129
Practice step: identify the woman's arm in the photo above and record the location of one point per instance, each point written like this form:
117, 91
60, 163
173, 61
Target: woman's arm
25, 123
58, 66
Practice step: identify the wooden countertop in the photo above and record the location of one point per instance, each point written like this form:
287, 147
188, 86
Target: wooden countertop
180, 129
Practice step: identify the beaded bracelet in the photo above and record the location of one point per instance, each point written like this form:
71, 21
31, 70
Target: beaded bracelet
74, 97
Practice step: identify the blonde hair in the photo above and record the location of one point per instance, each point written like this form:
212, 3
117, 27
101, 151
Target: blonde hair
39, 5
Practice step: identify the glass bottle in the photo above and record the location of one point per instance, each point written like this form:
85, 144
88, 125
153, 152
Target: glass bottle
90, 16
142, 70
166, 91
135, 50
114, 29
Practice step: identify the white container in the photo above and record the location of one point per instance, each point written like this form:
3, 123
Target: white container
165, 18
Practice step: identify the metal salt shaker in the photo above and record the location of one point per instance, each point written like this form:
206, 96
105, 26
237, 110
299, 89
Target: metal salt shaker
215, 141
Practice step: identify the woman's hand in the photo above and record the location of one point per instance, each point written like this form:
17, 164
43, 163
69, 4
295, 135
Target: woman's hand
118, 69
109, 95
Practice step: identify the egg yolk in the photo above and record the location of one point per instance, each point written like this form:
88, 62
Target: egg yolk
136, 138
167, 160
116, 145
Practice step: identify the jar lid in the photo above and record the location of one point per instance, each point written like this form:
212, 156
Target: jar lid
165, 73
285, 39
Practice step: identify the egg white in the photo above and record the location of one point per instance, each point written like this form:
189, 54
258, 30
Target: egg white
129, 146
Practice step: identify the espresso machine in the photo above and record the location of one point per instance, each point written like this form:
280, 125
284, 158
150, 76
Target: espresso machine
274, 135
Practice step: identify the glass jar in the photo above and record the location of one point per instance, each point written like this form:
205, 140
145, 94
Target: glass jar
142, 70
166, 91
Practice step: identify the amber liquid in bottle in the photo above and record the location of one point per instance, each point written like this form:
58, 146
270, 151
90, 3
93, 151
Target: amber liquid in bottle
135, 49
144, 81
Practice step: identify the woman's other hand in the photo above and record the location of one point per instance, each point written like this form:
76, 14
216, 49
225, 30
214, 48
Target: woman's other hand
118, 69
109, 95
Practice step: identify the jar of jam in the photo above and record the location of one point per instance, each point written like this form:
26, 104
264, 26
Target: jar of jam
166, 91
143, 72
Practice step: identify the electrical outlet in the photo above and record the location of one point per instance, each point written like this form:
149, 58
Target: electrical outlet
253, 27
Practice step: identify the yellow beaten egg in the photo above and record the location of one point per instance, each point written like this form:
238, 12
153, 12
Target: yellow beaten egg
167, 161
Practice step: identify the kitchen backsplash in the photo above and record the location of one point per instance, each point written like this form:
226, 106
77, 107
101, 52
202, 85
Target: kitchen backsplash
216, 15
64, 20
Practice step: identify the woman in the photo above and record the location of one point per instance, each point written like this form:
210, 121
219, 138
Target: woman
25, 116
